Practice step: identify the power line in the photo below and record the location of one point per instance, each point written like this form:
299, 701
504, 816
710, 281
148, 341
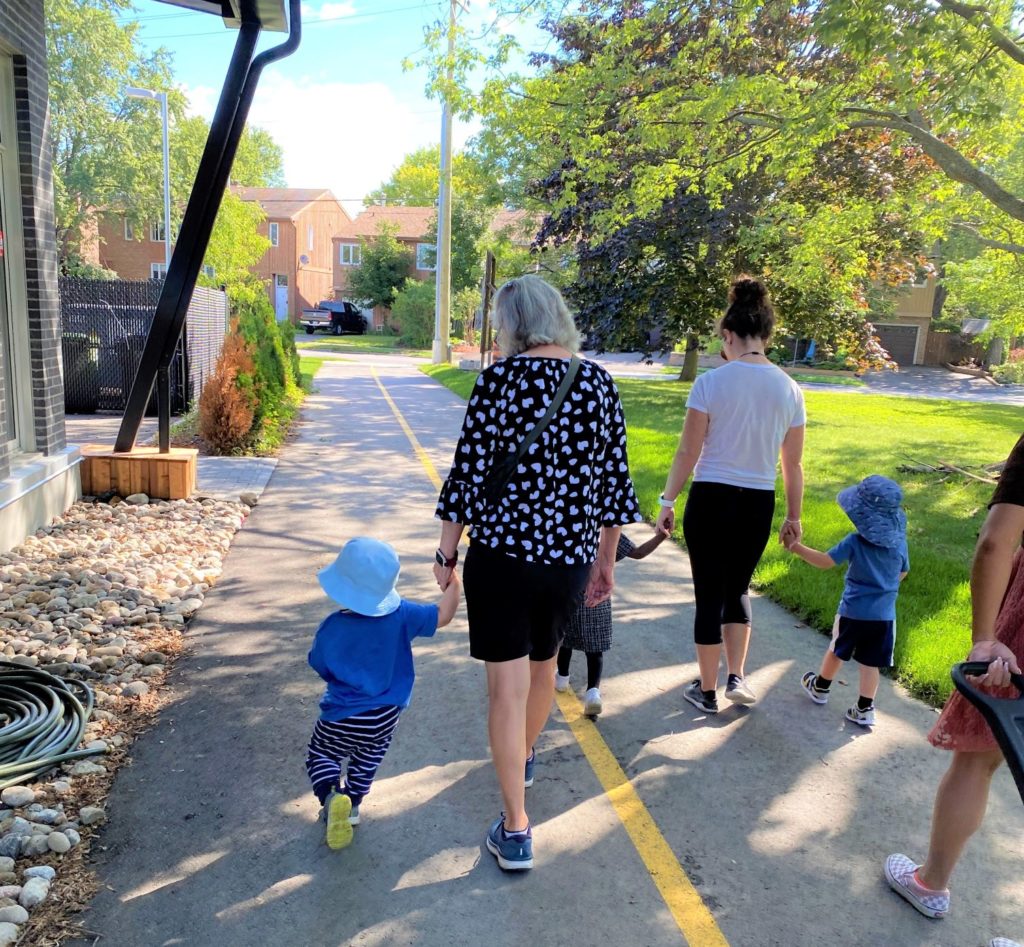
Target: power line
306, 24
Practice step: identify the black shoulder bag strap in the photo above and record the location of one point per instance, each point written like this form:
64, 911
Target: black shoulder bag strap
503, 469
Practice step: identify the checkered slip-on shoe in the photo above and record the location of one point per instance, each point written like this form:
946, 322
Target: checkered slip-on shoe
899, 872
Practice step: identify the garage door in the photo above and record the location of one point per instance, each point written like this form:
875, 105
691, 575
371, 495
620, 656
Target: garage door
899, 341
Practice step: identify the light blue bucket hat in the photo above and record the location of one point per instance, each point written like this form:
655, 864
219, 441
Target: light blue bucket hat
363, 577
873, 506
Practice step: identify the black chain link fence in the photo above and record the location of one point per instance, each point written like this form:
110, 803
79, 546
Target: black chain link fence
105, 324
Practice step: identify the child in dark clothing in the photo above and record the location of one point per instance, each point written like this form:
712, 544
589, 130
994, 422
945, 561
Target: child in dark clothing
364, 654
590, 631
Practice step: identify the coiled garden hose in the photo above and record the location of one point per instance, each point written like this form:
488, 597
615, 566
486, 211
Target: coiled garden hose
41, 722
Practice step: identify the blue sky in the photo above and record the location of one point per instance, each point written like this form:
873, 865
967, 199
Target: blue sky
341, 107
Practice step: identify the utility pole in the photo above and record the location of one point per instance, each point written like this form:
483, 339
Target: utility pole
443, 257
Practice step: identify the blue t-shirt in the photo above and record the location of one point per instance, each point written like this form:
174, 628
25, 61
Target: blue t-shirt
872, 579
367, 662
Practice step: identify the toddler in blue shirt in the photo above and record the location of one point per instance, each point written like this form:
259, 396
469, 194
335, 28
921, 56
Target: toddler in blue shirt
364, 654
865, 624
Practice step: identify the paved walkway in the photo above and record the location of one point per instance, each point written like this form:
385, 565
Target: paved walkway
223, 478
779, 815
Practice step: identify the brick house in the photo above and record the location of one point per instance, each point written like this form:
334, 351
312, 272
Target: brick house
296, 267
38, 471
301, 223
413, 225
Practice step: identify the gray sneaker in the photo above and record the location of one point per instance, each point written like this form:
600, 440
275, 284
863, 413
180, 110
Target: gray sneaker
695, 696
738, 692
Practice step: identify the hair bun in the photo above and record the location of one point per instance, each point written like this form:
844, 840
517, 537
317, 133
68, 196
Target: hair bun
748, 291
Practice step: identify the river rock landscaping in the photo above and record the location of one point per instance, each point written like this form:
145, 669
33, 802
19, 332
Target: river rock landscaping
101, 596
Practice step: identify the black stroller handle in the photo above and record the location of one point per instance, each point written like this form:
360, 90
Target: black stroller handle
1004, 715
977, 669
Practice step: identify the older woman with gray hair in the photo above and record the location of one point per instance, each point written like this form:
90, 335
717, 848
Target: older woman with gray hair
541, 474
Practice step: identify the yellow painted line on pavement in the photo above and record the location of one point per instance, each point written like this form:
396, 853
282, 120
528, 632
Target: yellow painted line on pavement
691, 915
424, 457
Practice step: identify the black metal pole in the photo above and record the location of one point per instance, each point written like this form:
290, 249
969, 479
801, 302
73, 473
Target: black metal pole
197, 224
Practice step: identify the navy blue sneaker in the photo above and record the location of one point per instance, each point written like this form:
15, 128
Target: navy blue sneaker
513, 851
528, 774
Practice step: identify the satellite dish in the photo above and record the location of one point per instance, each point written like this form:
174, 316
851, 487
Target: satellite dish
303, 259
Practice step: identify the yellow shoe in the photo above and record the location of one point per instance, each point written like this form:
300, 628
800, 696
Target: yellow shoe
339, 829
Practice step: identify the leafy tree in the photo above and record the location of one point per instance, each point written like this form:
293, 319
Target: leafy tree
236, 245
108, 147
469, 224
834, 236
413, 312
105, 146
385, 267
414, 182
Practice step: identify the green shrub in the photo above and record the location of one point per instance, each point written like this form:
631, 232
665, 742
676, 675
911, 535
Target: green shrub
413, 312
1012, 373
275, 370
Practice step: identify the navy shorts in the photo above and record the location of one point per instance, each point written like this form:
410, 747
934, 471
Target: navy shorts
867, 642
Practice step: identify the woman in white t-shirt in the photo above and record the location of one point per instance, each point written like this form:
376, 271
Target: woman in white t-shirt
739, 418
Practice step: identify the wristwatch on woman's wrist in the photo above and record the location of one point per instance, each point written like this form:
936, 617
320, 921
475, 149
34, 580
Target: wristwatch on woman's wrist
667, 504
443, 561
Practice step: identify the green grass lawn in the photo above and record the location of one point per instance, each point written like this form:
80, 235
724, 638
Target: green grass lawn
370, 344
813, 379
308, 367
847, 439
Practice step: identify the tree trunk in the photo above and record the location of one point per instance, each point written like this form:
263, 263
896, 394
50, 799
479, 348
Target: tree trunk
689, 371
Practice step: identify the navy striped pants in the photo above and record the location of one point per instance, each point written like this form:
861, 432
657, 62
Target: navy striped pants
362, 739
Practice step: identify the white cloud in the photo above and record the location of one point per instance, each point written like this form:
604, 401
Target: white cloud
202, 99
327, 10
344, 136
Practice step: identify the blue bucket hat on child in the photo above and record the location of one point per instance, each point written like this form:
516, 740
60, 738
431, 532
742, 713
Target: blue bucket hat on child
873, 506
363, 577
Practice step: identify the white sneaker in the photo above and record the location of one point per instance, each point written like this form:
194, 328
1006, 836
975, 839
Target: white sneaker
863, 718
592, 705
561, 683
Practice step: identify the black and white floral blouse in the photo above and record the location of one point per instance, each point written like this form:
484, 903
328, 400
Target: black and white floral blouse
573, 480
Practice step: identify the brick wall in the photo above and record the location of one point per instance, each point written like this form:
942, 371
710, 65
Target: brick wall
129, 259
22, 32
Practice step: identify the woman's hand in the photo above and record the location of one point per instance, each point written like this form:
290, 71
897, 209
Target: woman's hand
443, 574
1002, 662
601, 583
666, 521
791, 532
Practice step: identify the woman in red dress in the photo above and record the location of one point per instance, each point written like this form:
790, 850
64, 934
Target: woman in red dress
997, 599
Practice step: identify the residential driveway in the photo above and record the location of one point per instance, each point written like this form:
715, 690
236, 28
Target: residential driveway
779, 815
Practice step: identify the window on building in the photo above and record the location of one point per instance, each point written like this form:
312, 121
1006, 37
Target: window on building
275, 234
350, 254
209, 271
157, 270
425, 254
282, 279
129, 230
156, 231
16, 423
309, 236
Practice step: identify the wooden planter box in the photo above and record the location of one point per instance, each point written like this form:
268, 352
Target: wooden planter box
170, 476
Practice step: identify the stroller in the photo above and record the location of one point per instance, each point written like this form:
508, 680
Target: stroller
1005, 716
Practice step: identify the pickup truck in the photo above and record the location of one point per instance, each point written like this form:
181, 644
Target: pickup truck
337, 317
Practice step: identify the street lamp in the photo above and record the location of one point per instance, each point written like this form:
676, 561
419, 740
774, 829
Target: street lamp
161, 97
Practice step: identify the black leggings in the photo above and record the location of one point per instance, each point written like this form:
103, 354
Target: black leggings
726, 529
595, 665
